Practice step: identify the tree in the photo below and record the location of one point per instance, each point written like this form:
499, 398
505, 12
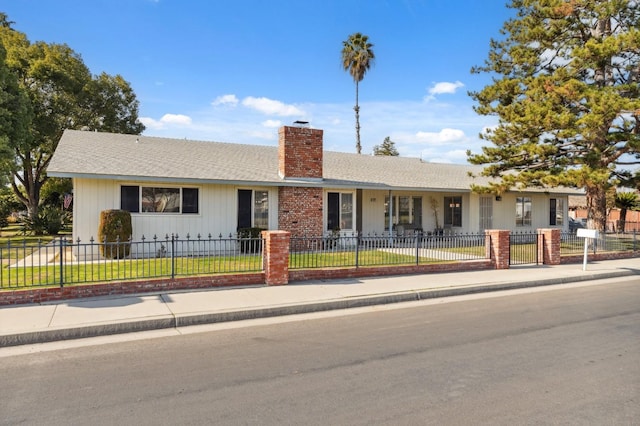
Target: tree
357, 58
61, 93
15, 116
388, 147
626, 200
566, 92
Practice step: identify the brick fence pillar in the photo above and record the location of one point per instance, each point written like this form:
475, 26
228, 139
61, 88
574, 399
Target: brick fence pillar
549, 246
276, 257
498, 247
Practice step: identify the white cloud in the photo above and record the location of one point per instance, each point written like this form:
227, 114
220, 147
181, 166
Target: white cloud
272, 123
179, 119
443, 137
443, 87
167, 119
272, 107
453, 127
226, 100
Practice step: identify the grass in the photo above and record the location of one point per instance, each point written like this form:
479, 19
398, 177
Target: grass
131, 269
305, 260
125, 269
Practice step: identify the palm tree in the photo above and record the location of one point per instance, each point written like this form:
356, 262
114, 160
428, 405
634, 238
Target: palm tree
626, 201
357, 58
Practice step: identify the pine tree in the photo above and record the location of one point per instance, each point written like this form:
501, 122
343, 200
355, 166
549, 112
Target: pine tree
388, 147
566, 91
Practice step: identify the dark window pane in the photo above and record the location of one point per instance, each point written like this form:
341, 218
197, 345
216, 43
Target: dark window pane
453, 211
189, 200
130, 198
333, 211
552, 211
244, 208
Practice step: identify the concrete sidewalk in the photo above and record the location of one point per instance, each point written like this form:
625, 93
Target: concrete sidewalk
79, 318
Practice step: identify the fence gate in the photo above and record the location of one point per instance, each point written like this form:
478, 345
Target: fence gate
523, 249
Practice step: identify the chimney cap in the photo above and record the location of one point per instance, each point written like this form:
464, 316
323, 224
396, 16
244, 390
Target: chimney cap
300, 123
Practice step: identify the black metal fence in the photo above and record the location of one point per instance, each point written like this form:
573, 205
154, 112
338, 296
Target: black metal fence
571, 244
523, 248
354, 250
62, 261
618, 226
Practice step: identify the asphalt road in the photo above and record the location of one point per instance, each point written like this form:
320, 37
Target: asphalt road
567, 356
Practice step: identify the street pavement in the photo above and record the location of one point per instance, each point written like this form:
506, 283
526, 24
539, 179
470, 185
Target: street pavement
81, 318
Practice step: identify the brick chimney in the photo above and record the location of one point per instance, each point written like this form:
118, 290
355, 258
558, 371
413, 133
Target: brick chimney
300, 158
300, 152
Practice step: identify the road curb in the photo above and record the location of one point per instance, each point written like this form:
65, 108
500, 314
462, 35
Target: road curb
175, 321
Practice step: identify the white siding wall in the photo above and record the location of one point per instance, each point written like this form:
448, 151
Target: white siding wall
373, 219
217, 211
504, 211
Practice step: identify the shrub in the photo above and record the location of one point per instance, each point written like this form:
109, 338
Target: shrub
50, 220
8, 205
5, 211
114, 233
250, 241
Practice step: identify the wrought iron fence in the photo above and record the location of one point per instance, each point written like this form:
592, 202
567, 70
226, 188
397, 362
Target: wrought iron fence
523, 248
334, 251
606, 242
63, 261
619, 226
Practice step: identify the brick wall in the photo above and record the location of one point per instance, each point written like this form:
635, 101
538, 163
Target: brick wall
499, 247
300, 152
41, 295
549, 246
276, 257
300, 211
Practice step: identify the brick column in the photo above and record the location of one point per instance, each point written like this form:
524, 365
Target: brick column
549, 246
499, 247
276, 257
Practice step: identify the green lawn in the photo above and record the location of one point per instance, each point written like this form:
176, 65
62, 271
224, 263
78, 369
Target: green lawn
337, 259
125, 269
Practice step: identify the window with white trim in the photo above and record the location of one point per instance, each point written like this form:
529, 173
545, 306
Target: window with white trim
523, 211
339, 211
407, 211
556, 211
253, 209
453, 211
154, 199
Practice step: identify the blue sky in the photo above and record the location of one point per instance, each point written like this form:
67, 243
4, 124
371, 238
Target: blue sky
235, 71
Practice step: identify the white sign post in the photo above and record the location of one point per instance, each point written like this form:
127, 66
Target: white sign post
586, 234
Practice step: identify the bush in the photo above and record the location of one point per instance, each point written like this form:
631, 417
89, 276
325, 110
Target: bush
5, 211
250, 241
50, 220
115, 230
8, 205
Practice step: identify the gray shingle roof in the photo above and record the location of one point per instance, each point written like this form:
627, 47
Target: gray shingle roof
131, 157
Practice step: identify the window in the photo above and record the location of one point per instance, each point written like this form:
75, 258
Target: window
253, 209
130, 198
523, 211
339, 210
150, 199
406, 211
556, 211
452, 211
